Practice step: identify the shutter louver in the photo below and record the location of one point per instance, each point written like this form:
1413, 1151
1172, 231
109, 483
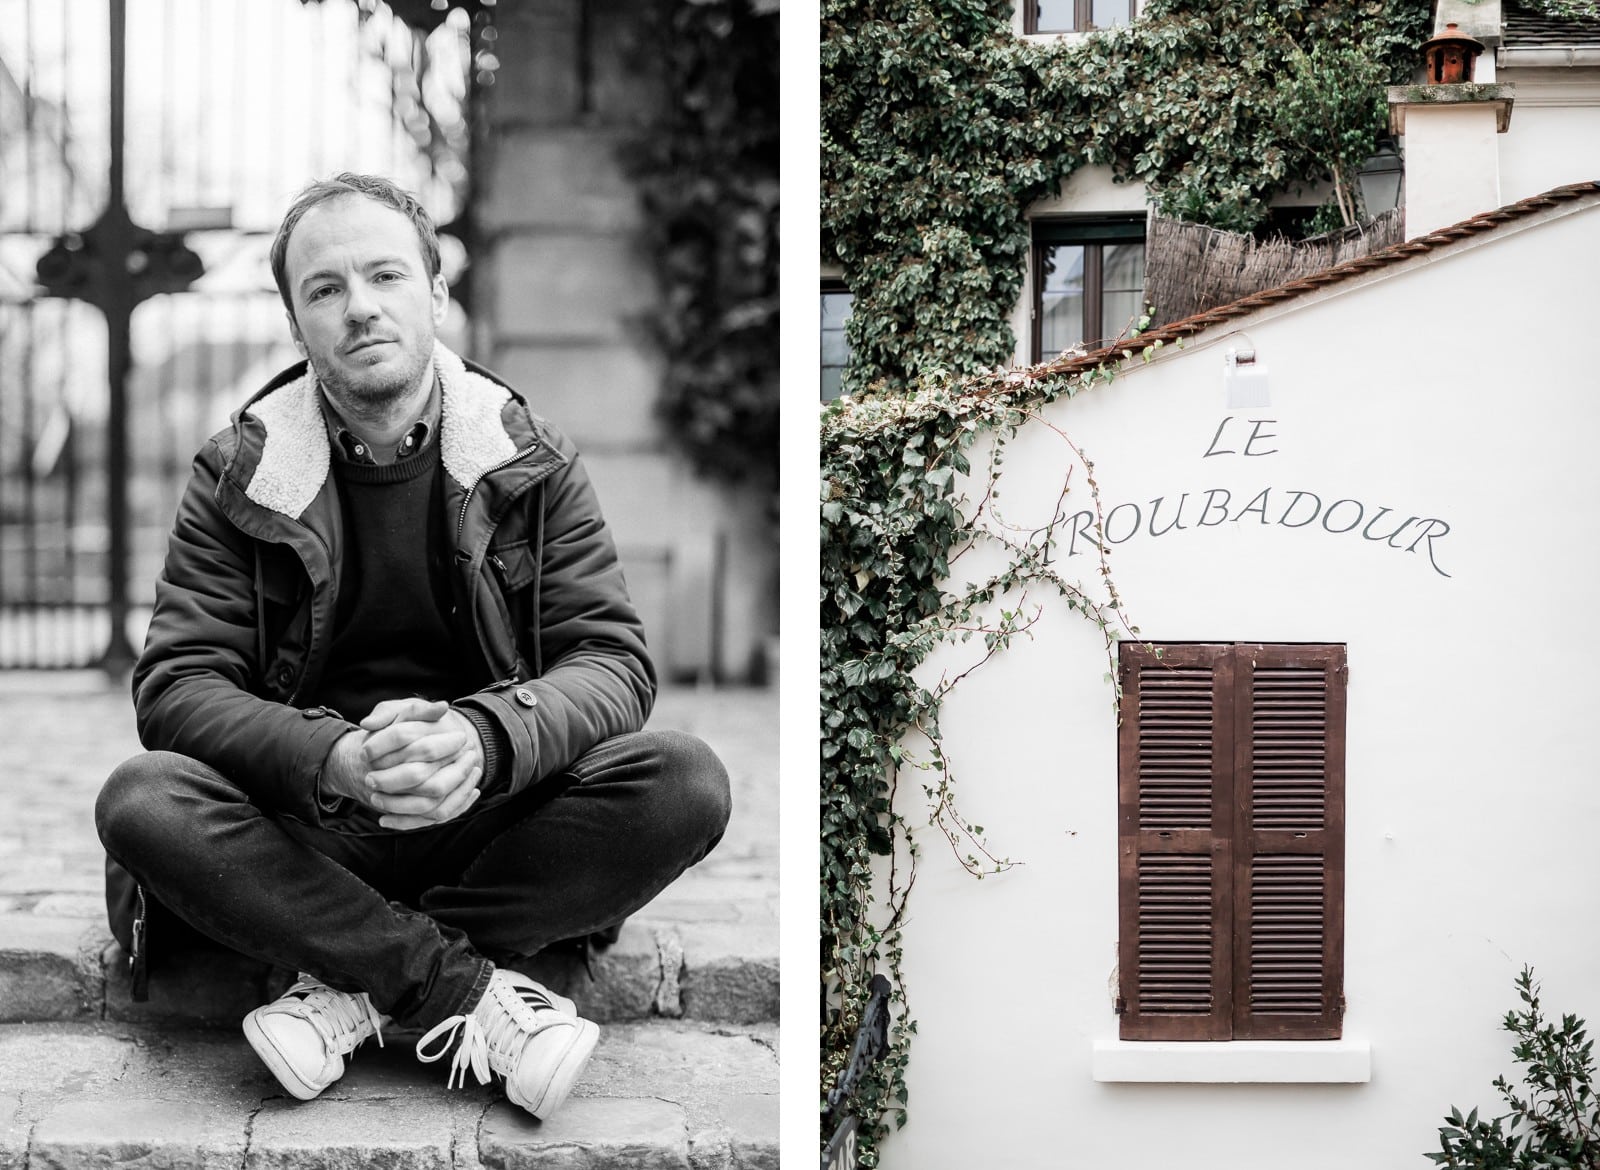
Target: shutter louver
1175, 745
1175, 934
1289, 729
1175, 818
1287, 929
1288, 912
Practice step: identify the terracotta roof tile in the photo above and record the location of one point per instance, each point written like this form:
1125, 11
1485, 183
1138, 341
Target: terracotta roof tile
1488, 221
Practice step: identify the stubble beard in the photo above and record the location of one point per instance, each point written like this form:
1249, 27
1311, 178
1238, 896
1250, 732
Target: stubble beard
377, 394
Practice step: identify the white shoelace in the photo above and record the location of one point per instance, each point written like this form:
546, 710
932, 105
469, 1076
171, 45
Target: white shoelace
337, 1016
477, 1044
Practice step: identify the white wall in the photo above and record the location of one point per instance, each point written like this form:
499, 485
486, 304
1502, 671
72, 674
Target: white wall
1440, 391
1554, 137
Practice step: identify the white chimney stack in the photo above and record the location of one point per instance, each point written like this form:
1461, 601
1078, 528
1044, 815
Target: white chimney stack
1450, 123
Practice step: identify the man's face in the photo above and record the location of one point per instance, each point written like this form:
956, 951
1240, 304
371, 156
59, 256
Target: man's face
365, 309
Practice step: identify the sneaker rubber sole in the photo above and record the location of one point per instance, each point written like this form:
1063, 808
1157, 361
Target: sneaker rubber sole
569, 1067
276, 1062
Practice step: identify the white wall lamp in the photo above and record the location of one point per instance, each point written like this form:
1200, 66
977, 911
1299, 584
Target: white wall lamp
1244, 376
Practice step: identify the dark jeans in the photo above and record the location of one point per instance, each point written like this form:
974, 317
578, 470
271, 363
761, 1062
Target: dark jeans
408, 916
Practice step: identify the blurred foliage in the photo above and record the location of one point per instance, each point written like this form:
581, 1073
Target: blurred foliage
432, 78
425, 15
707, 169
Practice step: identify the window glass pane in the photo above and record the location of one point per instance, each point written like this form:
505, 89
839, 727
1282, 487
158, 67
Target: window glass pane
1121, 299
835, 349
832, 383
1055, 16
1110, 12
1060, 299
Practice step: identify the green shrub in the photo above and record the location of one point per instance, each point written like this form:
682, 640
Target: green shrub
1554, 1120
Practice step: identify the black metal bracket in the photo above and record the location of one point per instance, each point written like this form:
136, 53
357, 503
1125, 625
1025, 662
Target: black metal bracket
872, 1041
115, 264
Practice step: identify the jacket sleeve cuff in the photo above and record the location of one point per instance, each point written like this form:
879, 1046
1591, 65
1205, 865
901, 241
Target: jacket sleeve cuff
332, 806
316, 806
496, 749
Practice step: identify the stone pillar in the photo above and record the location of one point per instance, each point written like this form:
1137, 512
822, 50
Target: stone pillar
564, 284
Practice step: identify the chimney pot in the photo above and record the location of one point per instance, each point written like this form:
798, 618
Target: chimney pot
1449, 57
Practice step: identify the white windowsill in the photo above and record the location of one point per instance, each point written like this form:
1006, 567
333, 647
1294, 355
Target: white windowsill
1325, 1062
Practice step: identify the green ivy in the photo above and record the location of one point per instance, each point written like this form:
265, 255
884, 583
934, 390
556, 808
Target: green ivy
894, 517
939, 128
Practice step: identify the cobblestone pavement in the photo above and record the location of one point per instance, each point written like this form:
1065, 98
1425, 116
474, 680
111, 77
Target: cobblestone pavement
86, 1079
61, 734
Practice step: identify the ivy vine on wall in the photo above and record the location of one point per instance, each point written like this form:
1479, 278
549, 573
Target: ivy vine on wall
939, 128
895, 517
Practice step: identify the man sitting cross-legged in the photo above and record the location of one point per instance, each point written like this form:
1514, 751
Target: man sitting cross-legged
393, 690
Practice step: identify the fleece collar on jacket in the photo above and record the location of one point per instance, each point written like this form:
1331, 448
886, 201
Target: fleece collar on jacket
296, 458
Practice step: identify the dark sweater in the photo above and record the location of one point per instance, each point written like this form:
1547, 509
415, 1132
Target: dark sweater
393, 634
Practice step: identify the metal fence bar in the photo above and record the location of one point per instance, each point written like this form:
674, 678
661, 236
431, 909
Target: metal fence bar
30, 496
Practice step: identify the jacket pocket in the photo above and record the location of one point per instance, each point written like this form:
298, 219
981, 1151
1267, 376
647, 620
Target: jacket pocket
513, 565
508, 591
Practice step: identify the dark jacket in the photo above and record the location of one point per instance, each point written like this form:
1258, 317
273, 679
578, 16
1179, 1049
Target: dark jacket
245, 605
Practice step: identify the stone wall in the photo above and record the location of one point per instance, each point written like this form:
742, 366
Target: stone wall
562, 285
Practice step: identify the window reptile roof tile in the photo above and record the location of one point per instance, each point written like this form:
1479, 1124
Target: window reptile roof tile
1395, 254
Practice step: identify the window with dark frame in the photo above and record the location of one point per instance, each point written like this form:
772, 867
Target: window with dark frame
1088, 282
1230, 841
836, 303
1057, 16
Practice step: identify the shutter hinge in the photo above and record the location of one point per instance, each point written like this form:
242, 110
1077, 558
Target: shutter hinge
1340, 1008
1344, 673
1122, 1005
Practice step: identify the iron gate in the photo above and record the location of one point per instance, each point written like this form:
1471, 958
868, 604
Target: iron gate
147, 150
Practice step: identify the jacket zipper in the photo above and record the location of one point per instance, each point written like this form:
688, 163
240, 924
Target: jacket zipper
461, 520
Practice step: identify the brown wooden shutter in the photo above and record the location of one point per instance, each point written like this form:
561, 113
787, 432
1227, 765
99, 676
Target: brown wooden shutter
1289, 842
1231, 841
1175, 820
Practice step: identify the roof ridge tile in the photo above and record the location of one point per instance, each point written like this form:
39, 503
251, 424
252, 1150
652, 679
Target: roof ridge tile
1383, 258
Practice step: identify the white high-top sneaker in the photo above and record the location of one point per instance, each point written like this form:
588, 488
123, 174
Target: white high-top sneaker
525, 1033
304, 1034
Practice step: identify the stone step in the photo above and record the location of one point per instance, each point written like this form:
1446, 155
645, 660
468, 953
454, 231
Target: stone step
676, 1095
720, 969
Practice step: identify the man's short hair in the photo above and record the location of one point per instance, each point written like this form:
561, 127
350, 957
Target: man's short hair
374, 187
